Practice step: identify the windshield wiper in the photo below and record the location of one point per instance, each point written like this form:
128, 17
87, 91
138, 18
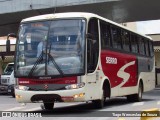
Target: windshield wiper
54, 62
39, 60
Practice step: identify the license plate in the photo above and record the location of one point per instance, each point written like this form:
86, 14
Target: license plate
2, 88
9, 90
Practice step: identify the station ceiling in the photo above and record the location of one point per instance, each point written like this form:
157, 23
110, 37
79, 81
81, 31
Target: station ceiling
119, 11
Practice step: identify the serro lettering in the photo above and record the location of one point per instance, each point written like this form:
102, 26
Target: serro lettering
111, 60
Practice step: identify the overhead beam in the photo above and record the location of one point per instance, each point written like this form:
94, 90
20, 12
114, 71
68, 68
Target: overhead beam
117, 10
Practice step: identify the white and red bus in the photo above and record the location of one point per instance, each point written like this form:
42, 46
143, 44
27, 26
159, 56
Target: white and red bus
77, 57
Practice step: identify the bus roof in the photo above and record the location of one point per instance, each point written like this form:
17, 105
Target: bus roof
59, 15
77, 14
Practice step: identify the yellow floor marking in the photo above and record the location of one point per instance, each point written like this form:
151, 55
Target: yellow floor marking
146, 114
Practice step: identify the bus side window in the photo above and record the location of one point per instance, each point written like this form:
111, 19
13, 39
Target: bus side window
151, 48
134, 43
105, 35
147, 47
126, 40
92, 45
116, 37
141, 46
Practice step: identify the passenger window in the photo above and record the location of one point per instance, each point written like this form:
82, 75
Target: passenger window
126, 40
141, 46
147, 47
105, 35
116, 37
134, 43
151, 48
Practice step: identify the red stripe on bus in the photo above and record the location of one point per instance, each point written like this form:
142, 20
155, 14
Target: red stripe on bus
67, 80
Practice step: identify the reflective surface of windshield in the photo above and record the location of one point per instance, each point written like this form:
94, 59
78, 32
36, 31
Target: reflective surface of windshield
8, 70
51, 48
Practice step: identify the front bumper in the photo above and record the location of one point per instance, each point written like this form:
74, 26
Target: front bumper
3, 89
74, 95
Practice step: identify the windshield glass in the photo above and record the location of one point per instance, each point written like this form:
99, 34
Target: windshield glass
8, 70
51, 48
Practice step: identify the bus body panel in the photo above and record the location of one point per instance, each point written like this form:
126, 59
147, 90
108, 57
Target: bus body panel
120, 68
93, 82
125, 72
148, 79
146, 72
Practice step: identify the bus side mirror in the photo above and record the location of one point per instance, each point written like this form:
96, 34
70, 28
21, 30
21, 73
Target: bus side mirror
11, 35
8, 41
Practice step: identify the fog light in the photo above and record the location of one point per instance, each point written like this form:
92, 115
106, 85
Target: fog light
76, 96
79, 95
18, 96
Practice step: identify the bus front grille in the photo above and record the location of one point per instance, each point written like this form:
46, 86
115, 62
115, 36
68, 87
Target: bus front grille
46, 98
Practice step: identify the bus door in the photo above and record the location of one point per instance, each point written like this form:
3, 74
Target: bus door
92, 56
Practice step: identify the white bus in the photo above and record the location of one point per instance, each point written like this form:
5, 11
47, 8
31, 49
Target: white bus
77, 57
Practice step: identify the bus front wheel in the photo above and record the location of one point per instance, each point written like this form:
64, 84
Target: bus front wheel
100, 103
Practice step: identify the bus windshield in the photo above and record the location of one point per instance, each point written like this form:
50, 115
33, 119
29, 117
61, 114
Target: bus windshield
50, 48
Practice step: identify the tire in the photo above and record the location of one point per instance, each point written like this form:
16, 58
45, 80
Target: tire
13, 93
136, 97
129, 98
48, 106
99, 103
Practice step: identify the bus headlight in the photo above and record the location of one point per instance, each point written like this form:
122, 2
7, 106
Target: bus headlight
75, 86
20, 87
